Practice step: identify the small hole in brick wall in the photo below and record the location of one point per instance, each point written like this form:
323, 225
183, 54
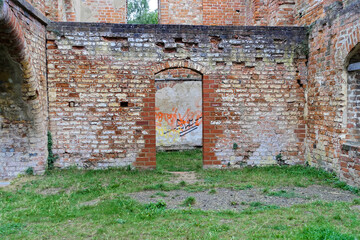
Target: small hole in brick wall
238, 11
116, 39
124, 104
73, 104
300, 84
215, 39
314, 145
78, 47
170, 50
191, 44
239, 63
160, 44
178, 40
279, 40
259, 59
125, 49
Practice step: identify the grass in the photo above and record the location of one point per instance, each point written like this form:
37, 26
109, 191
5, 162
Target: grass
189, 202
50, 207
174, 161
282, 193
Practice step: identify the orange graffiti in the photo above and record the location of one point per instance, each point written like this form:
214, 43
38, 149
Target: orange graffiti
182, 123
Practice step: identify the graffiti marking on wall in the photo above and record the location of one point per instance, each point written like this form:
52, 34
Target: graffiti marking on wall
177, 122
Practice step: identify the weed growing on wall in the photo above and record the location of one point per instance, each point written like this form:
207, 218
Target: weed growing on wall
51, 157
29, 171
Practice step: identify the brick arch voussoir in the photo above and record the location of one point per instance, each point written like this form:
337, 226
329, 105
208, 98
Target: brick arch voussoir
346, 47
18, 50
179, 64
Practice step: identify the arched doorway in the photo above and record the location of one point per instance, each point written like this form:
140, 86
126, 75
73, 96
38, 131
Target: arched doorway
178, 112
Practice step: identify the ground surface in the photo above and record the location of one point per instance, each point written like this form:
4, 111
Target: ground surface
251, 203
228, 199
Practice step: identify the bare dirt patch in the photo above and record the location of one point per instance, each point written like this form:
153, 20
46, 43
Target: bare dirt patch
227, 199
50, 191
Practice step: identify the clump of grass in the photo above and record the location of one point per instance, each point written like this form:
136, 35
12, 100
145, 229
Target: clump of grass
258, 206
10, 228
279, 227
242, 187
159, 186
220, 228
189, 201
153, 210
212, 191
339, 184
120, 221
182, 184
321, 233
282, 193
265, 190
233, 203
159, 194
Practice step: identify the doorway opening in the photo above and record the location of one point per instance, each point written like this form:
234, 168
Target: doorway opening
179, 118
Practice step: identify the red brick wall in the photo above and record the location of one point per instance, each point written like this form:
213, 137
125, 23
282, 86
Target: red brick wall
181, 12
23, 124
102, 106
38, 4
110, 11
232, 13
281, 12
350, 163
55, 10
226, 12
334, 33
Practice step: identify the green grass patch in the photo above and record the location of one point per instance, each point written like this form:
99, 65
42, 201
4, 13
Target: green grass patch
174, 161
282, 193
52, 207
189, 202
321, 233
271, 177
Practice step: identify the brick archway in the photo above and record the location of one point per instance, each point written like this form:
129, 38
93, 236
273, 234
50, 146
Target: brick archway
28, 130
147, 157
